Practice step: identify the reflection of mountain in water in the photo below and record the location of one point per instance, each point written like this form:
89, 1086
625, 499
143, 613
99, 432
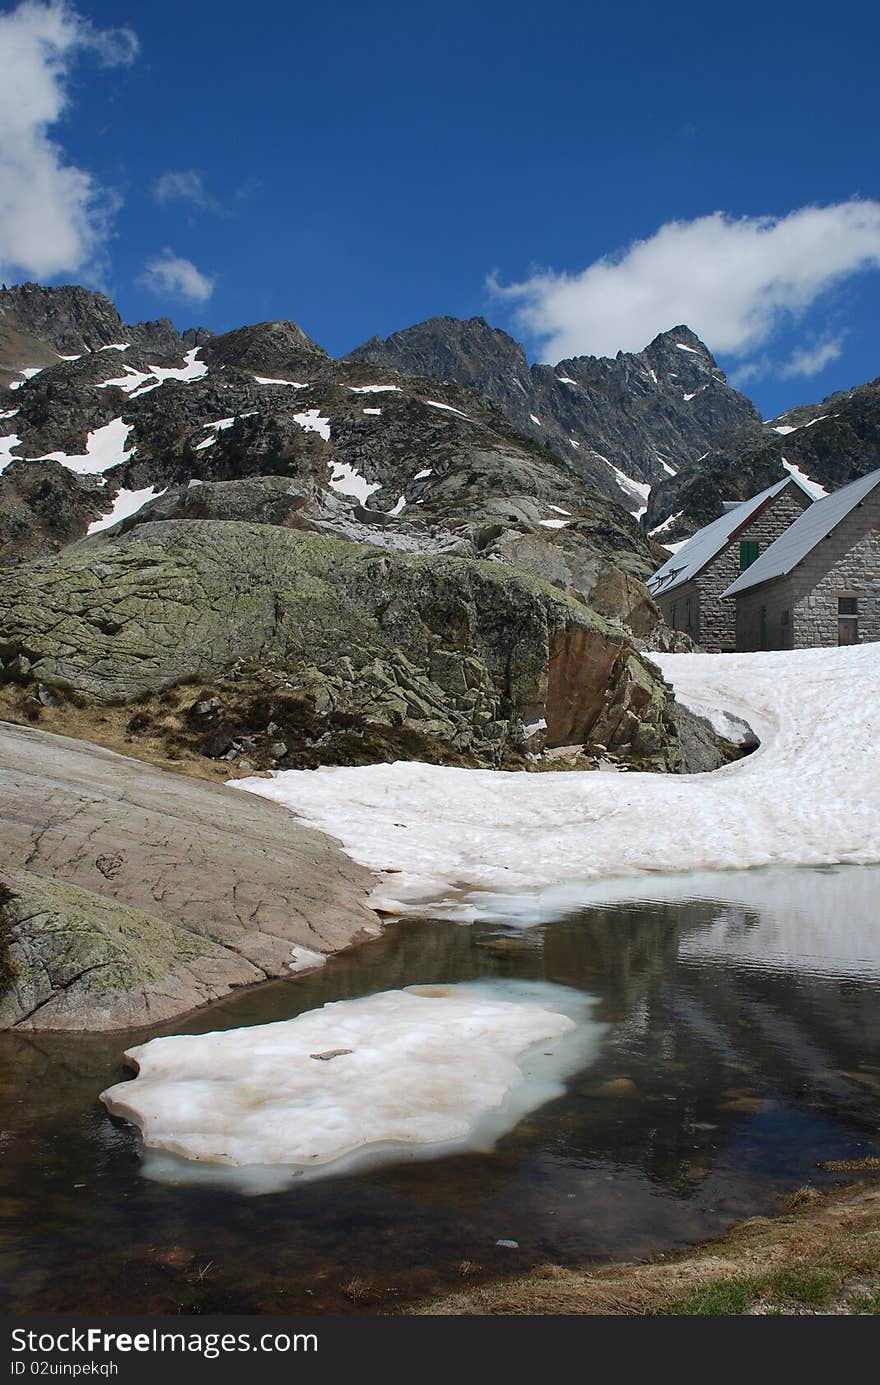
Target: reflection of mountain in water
759, 997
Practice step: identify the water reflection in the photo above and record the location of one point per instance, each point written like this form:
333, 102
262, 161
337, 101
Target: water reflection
742, 1048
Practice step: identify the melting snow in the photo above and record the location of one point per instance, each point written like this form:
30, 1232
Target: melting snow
219, 425
414, 1073
116, 346
423, 475
192, 369
399, 506
312, 421
574, 442
131, 380
554, 523
635, 490
809, 796
435, 404
785, 428
667, 524
558, 508
374, 389
371, 411
535, 420
346, 480
105, 448
126, 504
670, 470
7, 445
566, 380
305, 959
270, 380
681, 346
28, 373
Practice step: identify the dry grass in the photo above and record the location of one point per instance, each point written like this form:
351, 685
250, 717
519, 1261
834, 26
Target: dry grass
821, 1255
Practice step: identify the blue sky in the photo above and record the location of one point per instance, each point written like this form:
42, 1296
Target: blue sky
362, 167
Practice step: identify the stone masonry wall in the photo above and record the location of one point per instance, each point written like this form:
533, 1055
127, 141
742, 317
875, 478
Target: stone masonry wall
846, 563
713, 620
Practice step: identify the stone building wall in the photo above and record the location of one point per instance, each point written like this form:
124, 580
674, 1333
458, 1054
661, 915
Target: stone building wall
845, 564
713, 620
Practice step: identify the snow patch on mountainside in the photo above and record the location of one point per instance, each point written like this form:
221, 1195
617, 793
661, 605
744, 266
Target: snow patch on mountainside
436, 404
313, 422
105, 448
192, 369
8, 445
271, 380
347, 480
126, 504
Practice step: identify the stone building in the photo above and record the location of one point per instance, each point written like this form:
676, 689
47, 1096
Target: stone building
689, 587
819, 583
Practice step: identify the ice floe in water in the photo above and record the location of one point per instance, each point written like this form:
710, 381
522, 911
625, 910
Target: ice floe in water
408, 1074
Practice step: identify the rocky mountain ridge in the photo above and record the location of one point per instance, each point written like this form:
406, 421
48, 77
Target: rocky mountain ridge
622, 424
40, 325
149, 500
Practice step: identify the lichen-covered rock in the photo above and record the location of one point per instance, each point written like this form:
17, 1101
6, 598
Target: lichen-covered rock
78, 960
137, 894
468, 650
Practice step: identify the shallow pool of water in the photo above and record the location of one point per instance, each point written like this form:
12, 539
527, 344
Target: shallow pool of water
741, 1049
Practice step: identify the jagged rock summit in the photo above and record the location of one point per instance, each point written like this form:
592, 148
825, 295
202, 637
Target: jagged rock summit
620, 423
39, 325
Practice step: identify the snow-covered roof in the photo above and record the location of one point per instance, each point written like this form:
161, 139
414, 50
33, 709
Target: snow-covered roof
801, 537
693, 556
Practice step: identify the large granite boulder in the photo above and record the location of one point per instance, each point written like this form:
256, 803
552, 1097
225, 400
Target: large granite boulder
475, 652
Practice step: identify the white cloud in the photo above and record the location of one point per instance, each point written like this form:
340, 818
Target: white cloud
182, 185
811, 359
172, 274
54, 217
733, 280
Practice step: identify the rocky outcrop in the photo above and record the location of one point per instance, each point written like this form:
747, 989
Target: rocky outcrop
266, 347
641, 412
135, 895
44, 506
473, 652
69, 319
